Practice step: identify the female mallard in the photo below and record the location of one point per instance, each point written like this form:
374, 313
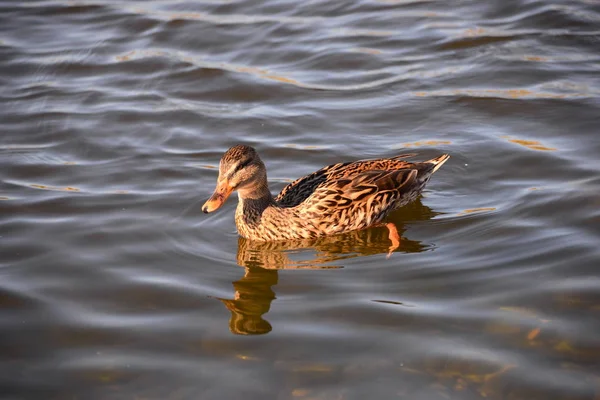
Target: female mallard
337, 198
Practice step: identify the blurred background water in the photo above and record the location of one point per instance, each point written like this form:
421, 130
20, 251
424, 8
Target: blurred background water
114, 285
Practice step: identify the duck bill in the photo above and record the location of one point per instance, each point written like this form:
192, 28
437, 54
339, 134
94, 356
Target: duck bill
218, 198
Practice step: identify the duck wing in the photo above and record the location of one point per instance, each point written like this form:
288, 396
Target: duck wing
359, 201
299, 190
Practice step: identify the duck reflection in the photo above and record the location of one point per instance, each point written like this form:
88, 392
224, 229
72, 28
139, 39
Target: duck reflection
253, 297
262, 260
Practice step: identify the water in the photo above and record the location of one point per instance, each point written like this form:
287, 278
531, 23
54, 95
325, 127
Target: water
114, 285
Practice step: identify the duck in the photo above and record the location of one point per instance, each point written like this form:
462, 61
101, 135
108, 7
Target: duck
337, 198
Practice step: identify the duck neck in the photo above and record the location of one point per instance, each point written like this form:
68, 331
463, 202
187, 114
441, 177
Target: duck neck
251, 208
257, 197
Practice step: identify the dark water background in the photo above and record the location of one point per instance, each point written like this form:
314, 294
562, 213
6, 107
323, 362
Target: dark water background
114, 285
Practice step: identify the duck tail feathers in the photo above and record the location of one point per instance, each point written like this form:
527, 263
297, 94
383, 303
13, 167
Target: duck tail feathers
438, 162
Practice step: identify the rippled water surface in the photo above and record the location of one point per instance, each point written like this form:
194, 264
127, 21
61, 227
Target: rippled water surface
114, 115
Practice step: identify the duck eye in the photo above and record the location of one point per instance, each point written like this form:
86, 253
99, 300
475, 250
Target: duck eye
242, 165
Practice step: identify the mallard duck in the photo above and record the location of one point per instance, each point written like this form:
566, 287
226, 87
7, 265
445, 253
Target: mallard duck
337, 198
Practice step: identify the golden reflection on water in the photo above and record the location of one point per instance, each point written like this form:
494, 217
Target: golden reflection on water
424, 143
475, 31
302, 147
530, 144
55, 188
500, 93
262, 261
476, 210
366, 50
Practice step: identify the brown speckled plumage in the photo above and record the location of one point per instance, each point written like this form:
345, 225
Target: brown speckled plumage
337, 198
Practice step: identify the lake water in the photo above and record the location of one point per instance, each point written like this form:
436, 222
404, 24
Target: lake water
114, 284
